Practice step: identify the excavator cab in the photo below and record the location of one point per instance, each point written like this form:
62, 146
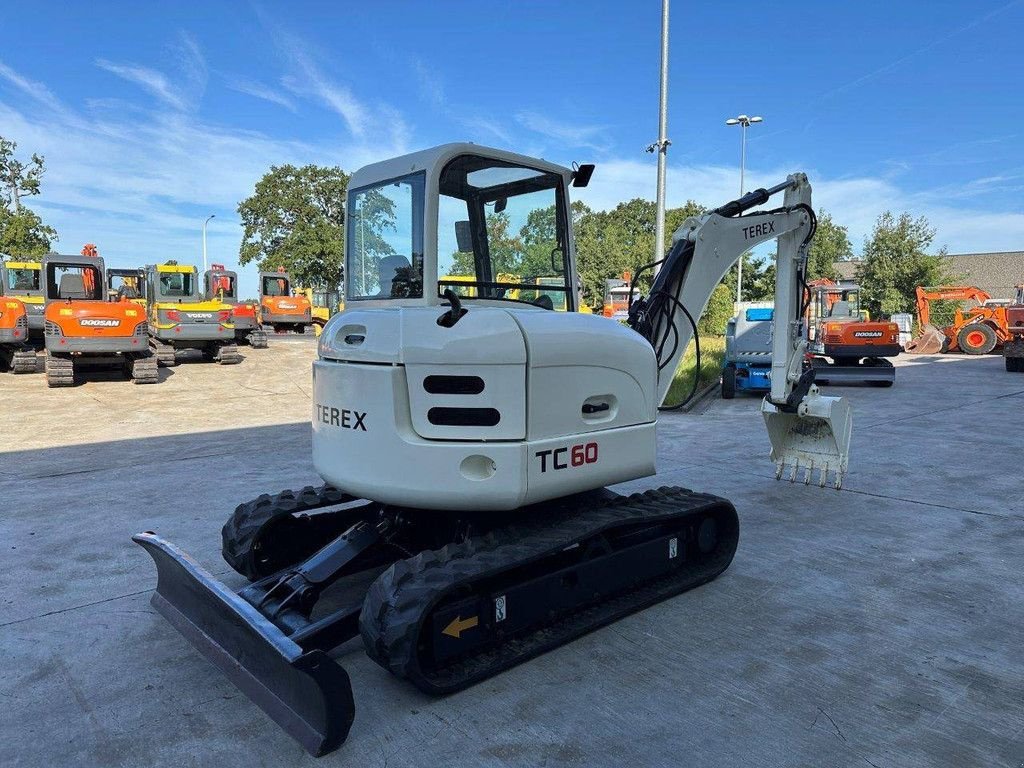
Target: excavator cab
283, 309
220, 286
129, 283
23, 279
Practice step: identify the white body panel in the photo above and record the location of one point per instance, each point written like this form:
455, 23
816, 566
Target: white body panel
372, 436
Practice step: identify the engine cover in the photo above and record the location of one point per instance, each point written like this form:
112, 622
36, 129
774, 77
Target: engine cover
505, 408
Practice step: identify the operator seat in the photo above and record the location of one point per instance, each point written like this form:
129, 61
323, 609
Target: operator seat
841, 309
71, 287
391, 268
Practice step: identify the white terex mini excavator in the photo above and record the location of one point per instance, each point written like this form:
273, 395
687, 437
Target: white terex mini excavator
466, 433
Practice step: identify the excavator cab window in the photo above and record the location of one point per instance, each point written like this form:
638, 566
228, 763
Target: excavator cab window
176, 285
220, 286
129, 286
276, 286
502, 234
74, 281
22, 279
385, 240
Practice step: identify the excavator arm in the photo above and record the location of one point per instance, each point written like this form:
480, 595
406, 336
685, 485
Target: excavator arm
806, 430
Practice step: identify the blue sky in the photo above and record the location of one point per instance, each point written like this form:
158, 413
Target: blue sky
152, 117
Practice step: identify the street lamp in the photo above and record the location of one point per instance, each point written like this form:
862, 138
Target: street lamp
211, 216
744, 122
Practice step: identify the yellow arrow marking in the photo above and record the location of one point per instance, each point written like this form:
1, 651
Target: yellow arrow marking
460, 625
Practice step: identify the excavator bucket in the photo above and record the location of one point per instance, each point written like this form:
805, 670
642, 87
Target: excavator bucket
930, 342
305, 692
813, 436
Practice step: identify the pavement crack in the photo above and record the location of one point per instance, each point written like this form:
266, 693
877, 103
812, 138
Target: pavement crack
59, 611
839, 731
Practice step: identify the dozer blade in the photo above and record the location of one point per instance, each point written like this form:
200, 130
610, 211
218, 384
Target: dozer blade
815, 436
930, 342
305, 692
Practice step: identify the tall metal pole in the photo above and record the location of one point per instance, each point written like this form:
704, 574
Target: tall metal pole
743, 164
744, 122
663, 142
211, 216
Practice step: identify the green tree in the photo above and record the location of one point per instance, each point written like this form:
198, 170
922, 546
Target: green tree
22, 232
295, 219
609, 243
831, 243
718, 311
896, 261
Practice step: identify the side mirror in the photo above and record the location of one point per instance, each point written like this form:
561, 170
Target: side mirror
558, 267
464, 236
500, 204
581, 176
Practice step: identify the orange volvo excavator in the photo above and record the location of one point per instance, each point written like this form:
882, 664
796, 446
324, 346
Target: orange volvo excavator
279, 308
975, 331
84, 326
846, 346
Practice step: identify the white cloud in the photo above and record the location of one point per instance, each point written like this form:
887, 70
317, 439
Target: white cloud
311, 82
182, 96
589, 136
149, 79
139, 182
36, 91
431, 87
259, 91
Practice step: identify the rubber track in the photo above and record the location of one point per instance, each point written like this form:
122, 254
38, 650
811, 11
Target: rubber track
165, 355
257, 339
24, 361
143, 370
60, 371
397, 603
241, 532
227, 354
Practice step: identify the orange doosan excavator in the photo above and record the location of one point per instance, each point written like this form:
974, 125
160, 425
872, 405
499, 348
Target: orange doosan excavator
846, 346
279, 308
977, 330
85, 326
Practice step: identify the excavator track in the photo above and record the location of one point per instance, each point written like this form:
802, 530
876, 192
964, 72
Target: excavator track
227, 354
142, 369
257, 339
448, 618
270, 533
60, 371
165, 354
23, 361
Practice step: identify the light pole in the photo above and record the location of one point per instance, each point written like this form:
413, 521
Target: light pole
662, 144
211, 216
743, 122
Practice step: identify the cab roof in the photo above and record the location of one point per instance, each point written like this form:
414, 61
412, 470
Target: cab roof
435, 158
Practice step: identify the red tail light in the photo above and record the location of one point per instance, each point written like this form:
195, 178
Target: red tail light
174, 315
224, 315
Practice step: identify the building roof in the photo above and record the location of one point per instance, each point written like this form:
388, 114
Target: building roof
997, 273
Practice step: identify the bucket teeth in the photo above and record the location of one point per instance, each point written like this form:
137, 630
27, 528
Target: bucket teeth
827, 475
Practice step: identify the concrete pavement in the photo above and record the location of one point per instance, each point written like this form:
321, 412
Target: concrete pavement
875, 626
